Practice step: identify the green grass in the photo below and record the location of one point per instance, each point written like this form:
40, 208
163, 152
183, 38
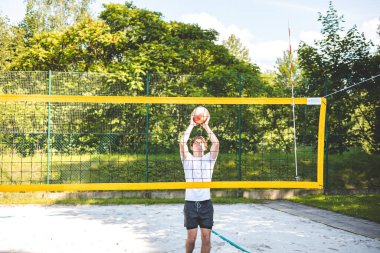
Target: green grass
114, 201
351, 170
354, 169
360, 206
115, 168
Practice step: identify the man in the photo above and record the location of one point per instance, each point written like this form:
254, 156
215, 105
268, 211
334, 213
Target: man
198, 167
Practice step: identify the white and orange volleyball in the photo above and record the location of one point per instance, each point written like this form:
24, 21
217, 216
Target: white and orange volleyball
200, 115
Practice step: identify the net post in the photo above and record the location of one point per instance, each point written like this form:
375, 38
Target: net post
321, 143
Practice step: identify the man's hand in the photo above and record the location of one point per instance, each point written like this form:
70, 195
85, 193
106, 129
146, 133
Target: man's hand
192, 123
205, 125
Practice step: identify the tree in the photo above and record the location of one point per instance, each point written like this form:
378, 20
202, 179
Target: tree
49, 15
128, 40
373, 89
287, 74
11, 42
5, 41
131, 46
340, 60
236, 48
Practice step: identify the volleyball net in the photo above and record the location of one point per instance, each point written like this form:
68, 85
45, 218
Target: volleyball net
60, 133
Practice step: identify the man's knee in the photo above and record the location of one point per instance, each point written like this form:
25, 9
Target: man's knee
191, 239
192, 235
206, 238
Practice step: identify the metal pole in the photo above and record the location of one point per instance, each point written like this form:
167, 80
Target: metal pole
48, 134
293, 105
147, 131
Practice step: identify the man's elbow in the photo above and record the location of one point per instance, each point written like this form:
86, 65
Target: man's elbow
215, 146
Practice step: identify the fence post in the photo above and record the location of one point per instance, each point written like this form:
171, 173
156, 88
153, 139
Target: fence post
239, 127
326, 167
147, 130
48, 135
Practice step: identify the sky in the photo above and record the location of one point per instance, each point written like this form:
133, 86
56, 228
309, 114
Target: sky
261, 25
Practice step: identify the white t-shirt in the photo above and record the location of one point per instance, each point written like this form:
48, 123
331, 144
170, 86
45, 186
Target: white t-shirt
198, 169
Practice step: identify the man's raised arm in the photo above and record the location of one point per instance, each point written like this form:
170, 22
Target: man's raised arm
183, 148
214, 150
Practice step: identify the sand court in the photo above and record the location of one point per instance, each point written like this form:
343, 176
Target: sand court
159, 228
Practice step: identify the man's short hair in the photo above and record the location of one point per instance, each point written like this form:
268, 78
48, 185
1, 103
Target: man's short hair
199, 137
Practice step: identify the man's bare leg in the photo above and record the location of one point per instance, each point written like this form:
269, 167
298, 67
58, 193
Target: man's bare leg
190, 241
206, 240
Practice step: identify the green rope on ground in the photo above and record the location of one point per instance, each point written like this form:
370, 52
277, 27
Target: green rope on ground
229, 241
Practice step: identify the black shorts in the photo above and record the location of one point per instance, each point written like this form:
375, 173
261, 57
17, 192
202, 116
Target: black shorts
198, 213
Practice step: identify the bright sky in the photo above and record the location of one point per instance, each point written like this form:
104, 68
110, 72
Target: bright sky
261, 25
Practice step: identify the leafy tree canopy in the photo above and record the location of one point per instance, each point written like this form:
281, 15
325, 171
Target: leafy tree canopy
133, 42
342, 58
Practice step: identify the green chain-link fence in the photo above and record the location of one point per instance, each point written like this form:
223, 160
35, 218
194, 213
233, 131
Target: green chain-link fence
111, 142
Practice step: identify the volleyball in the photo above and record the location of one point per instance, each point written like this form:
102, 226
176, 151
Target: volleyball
200, 115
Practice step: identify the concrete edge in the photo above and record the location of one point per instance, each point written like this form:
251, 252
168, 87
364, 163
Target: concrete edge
271, 194
329, 218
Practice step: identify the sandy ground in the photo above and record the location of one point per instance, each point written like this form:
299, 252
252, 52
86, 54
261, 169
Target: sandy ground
159, 228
